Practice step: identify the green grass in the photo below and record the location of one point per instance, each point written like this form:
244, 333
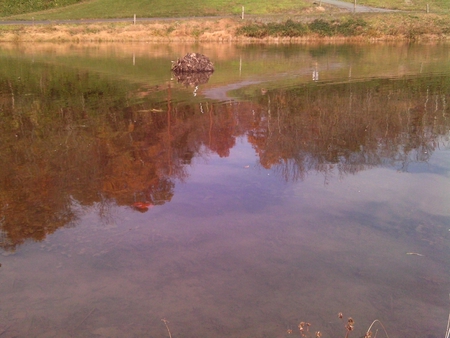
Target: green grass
11, 7
88, 9
162, 8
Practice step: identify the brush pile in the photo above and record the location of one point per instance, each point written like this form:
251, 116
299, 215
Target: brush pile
193, 63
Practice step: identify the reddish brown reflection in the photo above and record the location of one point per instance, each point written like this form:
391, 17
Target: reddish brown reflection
350, 127
82, 139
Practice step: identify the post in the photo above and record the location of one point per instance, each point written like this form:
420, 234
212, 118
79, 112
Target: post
134, 20
428, 8
242, 16
240, 65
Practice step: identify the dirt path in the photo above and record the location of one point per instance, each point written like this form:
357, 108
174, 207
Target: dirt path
358, 8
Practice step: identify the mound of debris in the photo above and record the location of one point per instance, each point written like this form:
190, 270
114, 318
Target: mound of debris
193, 63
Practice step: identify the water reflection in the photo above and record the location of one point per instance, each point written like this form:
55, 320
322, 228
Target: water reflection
73, 135
193, 79
81, 148
351, 126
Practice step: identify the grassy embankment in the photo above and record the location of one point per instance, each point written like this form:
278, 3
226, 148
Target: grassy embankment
282, 20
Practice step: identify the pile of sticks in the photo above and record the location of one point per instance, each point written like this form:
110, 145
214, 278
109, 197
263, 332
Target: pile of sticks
193, 63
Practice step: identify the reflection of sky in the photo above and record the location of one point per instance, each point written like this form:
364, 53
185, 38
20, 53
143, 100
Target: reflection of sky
235, 183
438, 164
238, 241
241, 184
426, 192
240, 250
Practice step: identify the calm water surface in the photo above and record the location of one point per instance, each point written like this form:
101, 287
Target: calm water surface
294, 183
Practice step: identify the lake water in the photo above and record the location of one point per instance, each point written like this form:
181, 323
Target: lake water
295, 183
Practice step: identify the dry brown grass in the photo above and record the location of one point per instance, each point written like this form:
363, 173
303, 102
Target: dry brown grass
189, 30
216, 30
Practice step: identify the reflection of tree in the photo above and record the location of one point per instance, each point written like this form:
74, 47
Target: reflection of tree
73, 139
349, 126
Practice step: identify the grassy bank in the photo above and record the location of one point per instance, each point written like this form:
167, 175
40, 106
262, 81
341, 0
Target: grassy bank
371, 27
264, 20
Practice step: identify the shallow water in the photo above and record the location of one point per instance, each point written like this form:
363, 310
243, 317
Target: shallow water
296, 183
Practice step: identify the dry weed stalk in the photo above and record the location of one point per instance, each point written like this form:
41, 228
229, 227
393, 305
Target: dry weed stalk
304, 330
167, 326
369, 333
447, 333
349, 326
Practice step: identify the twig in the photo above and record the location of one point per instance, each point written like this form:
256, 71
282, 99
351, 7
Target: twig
376, 320
4, 330
167, 326
447, 333
88, 315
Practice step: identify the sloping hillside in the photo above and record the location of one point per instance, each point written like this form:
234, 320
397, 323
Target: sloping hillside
89, 9
12, 7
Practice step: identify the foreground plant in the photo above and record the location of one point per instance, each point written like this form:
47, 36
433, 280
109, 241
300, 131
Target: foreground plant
166, 322
369, 333
349, 326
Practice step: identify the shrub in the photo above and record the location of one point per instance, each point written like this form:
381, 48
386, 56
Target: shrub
287, 29
351, 27
322, 27
253, 31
